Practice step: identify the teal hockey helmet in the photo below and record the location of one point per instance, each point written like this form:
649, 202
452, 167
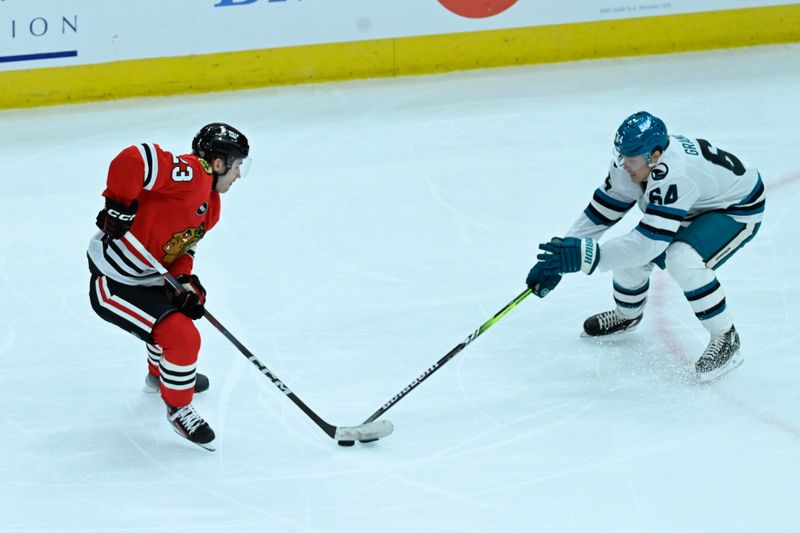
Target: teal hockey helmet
641, 134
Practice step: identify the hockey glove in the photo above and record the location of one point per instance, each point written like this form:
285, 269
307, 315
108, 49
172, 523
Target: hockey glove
191, 300
540, 281
116, 218
192, 283
566, 255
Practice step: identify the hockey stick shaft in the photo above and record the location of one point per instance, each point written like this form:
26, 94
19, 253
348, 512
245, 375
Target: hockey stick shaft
451, 354
332, 431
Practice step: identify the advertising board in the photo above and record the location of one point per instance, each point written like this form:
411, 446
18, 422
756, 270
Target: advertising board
47, 33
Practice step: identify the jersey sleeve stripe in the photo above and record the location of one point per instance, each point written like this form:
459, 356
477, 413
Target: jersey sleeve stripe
611, 203
597, 217
666, 212
150, 166
148, 178
656, 234
148, 163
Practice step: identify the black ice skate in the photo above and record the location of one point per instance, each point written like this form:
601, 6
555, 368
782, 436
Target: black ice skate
151, 383
721, 356
608, 323
191, 426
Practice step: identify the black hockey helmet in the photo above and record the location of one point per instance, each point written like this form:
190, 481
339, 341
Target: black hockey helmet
218, 140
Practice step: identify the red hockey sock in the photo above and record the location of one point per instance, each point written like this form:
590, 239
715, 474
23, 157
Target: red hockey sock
180, 342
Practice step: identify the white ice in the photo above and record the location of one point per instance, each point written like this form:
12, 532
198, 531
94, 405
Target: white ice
384, 221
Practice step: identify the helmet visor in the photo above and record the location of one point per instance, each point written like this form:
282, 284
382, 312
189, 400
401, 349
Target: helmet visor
630, 162
242, 164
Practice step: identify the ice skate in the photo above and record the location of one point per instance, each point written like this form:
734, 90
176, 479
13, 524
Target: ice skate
191, 426
608, 323
151, 383
721, 356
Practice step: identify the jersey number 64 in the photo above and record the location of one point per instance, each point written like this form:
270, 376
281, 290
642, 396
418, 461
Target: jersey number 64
670, 198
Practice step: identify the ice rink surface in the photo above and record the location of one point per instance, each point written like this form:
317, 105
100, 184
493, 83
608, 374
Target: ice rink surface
382, 222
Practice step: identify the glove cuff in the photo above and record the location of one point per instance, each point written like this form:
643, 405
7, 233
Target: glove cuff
590, 255
120, 211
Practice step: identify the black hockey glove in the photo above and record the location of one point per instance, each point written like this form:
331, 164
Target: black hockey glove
541, 281
191, 300
116, 218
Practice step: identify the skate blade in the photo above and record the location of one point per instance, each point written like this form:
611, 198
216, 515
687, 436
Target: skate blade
707, 377
369, 431
207, 446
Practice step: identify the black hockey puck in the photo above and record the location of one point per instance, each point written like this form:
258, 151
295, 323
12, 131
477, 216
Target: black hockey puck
346, 442
367, 440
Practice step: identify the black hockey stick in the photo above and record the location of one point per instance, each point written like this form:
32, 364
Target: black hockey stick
366, 431
452, 353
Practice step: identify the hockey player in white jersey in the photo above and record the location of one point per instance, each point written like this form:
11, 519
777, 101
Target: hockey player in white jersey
701, 204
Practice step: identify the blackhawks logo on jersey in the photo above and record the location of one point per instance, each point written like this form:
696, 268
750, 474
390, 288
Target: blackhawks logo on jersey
206, 166
181, 241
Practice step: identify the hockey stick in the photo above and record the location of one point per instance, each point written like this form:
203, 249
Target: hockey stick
452, 353
366, 431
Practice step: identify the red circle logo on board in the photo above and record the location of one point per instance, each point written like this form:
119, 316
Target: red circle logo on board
477, 9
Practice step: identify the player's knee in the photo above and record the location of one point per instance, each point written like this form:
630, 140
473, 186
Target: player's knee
177, 334
632, 278
681, 257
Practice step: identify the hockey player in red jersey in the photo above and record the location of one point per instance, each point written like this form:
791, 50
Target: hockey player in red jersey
168, 202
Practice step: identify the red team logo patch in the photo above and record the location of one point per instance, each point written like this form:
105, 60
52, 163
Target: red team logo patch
477, 9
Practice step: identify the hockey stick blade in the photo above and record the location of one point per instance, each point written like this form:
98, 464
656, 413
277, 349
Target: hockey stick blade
369, 431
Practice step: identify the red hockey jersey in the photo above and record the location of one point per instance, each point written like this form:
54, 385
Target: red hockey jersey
176, 208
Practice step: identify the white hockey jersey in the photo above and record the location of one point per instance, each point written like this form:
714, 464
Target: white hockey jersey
692, 177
